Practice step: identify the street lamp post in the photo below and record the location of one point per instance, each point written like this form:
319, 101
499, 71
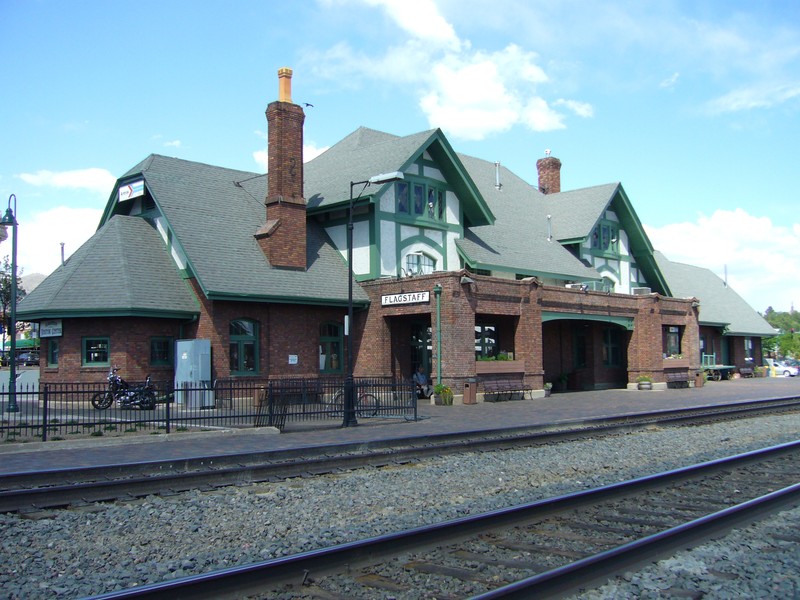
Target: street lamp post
10, 219
349, 419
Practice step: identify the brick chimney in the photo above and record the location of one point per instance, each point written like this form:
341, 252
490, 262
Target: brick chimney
283, 236
549, 174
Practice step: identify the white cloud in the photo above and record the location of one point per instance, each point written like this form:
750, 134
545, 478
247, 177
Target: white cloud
759, 256
41, 253
474, 94
422, 20
759, 96
582, 109
670, 81
469, 93
93, 179
173, 144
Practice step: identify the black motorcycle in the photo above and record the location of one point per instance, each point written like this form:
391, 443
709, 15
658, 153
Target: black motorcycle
126, 396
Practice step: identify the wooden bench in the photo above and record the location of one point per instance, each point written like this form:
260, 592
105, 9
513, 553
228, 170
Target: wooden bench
503, 387
677, 378
746, 371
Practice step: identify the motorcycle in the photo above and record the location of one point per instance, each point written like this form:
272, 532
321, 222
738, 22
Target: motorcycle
141, 396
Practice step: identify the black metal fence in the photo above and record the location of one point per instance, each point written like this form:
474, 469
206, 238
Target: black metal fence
65, 411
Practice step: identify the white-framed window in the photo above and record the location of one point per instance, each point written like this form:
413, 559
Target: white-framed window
419, 263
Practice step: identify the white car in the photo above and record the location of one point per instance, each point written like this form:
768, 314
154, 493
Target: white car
784, 369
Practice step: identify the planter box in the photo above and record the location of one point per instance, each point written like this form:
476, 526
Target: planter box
489, 367
676, 363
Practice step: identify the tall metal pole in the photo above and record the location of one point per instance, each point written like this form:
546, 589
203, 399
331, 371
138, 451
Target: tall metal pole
349, 418
437, 292
349, 382
10, 219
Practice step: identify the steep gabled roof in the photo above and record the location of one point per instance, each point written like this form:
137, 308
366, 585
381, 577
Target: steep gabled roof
122, 270
575, 214
518, 240
213, 214
366, 152
719, 305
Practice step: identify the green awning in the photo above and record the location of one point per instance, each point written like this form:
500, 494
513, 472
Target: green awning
22, 344
626, 322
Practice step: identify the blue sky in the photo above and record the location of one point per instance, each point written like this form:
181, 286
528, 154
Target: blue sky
693, 105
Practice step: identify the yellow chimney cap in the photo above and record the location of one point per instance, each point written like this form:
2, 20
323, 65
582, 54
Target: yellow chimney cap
284, 84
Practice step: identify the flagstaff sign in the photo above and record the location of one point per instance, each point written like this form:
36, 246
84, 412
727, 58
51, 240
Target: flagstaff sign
405, 298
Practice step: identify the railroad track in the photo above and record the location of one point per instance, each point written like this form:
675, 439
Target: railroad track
40, 490
541, 549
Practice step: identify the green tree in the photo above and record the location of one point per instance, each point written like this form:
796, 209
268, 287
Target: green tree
5, 291
787, 342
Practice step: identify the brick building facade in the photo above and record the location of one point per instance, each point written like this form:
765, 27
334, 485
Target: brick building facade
461, 267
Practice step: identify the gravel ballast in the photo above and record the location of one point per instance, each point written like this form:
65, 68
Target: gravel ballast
102, 548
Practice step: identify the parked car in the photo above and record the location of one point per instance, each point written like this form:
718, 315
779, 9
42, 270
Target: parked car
784, 369
28, 359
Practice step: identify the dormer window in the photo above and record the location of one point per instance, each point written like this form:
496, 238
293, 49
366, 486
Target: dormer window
420, 200
605, 237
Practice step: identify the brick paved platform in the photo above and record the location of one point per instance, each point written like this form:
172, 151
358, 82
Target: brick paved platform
558, 408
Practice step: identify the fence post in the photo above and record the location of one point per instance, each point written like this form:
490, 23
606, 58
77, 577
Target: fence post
44, 415
169, 403
270, 404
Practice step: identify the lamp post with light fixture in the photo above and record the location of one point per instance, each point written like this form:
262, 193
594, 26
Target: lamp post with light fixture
349, 419
10, 219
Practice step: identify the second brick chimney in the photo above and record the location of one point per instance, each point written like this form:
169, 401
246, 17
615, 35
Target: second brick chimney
283, 236
549, 174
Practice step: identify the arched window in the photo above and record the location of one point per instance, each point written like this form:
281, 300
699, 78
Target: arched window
243, 347
418, 263
331, 359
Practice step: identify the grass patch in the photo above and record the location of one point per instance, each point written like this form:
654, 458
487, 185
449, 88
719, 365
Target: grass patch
96, 434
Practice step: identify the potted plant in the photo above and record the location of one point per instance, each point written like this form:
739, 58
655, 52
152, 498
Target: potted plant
548, 387
645, 382
442, 395
561, 382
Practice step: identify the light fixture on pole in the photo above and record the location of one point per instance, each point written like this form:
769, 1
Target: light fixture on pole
10, 219
349, 384
437, 292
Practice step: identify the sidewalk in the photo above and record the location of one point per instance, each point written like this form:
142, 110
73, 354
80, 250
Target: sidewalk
436, 420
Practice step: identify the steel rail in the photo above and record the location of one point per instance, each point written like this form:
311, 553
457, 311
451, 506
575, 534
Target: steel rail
63, 487
601, 567
266, 575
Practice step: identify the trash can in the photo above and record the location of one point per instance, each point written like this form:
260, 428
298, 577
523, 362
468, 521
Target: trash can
470, 388
699, 379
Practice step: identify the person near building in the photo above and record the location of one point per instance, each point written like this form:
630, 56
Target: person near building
422, 383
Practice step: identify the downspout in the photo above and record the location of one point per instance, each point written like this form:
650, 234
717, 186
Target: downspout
437, 291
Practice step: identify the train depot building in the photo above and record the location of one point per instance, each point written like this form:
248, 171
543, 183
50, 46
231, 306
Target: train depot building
460, 266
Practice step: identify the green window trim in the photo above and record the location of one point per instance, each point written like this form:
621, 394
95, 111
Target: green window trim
612, 347
331, 343
52, 352
605, 239
421, 201
243, 348
95, 351
161, 351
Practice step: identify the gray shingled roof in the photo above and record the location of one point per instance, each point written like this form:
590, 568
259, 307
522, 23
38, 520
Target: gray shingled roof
719, 304
518, 240
366, 152
123, 269
359, 156
215, 212
576, 212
